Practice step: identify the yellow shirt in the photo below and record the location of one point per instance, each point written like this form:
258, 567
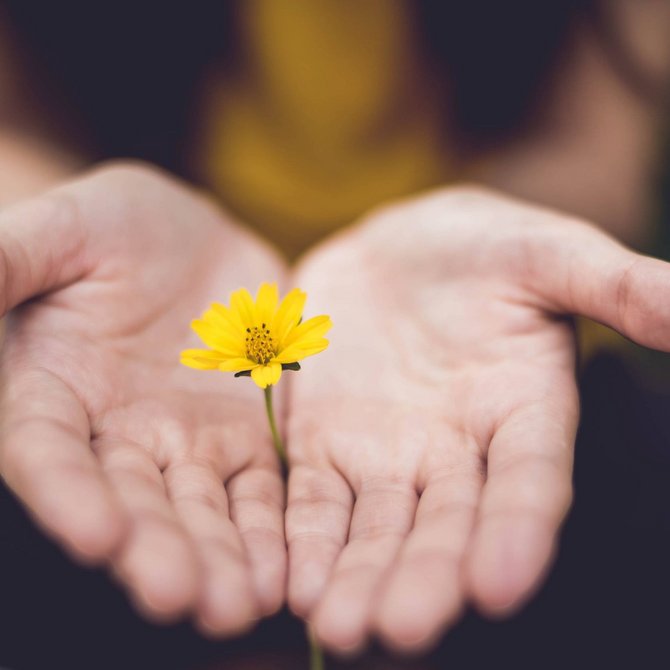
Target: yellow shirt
328, 113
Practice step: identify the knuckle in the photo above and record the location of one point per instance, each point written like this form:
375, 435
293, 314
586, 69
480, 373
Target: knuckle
264, 536
319, 537
303, 516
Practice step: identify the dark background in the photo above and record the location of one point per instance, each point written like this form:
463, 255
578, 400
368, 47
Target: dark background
119, 78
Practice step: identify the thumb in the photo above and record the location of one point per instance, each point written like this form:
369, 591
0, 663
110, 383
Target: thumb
42, 247
579, 269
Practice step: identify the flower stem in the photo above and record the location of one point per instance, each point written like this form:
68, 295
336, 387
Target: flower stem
315, 653
276, 438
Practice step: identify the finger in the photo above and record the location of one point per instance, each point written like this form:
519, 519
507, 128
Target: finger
46, 459
226, 600
29, 234
424, 592
524, 501
581, 270
317, 522
157, 561
257, 510
382, 517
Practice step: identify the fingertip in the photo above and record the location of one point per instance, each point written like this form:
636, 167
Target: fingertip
93, 543
300, 604
162, 575
270, 588
339, 638
507, 565
162, 601
227, 607
409, 621
339, 624
306, 583
267, 556
165, 597
91, 533
406, 641
215, 629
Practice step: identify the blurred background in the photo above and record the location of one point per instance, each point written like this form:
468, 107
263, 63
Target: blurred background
302, 116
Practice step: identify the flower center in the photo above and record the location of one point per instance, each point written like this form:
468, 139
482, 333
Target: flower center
260, 345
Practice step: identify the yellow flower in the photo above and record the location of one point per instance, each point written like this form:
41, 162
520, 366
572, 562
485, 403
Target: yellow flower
260, 338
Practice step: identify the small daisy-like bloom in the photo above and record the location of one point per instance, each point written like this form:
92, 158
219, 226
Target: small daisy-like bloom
258, 338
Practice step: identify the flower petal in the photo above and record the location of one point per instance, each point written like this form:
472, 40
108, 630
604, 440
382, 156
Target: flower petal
266, 302
266, 375
298, 351
219, 338
274, 372
242, 304
288, 315
312, 329
201, 359
236, 364
223, 317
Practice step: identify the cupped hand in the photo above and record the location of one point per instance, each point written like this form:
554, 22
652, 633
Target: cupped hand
124, 456
431, 446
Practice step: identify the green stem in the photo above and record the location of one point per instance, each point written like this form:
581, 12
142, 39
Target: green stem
315, 653
279, 445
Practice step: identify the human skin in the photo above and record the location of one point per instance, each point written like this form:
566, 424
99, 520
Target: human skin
431, 446
123, 456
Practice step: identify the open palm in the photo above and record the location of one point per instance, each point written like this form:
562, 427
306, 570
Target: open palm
431, 447
120, 453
